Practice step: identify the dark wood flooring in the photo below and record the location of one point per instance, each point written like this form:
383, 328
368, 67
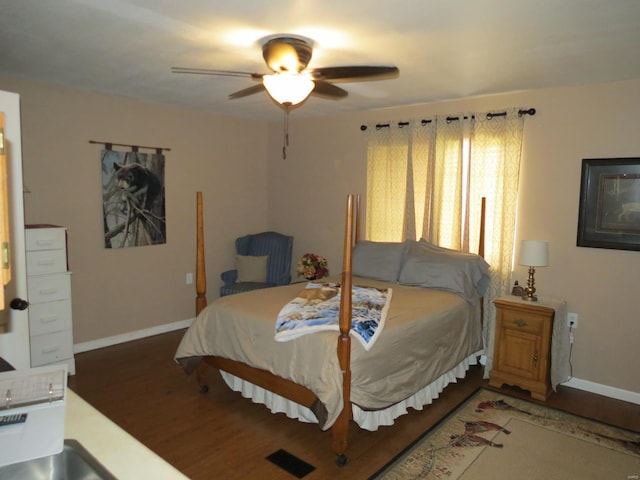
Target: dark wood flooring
223, 435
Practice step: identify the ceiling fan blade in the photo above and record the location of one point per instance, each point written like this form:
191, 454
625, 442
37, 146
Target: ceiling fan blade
247, 91
354, 73
221, 73
326, 89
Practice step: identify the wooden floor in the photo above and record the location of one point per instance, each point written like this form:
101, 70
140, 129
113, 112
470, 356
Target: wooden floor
223, 435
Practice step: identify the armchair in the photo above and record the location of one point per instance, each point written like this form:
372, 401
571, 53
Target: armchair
278, 250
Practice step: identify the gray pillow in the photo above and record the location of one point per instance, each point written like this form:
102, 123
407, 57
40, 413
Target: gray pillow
431, 266
378, 260
251, 269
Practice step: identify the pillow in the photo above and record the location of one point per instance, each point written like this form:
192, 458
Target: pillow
378, 260
251, 269
428, 265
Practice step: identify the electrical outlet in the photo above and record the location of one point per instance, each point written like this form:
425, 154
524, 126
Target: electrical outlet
189, 278
572, 320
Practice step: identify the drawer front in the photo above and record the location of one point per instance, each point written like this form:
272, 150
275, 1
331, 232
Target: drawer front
46, 261
45, 239
49, 288
523, 321
51, 347
50, 317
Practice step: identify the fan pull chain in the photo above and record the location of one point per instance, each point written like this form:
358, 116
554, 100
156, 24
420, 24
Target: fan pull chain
285, 134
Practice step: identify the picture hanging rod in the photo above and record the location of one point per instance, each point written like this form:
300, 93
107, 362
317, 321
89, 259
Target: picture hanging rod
134, 148
521, 112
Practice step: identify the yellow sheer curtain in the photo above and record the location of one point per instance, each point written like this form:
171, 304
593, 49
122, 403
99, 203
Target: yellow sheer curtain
398, 189
428, 180
494, 168
444, 227
387, 167
4, 216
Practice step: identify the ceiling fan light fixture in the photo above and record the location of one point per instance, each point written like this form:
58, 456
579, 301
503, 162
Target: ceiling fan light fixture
288, 89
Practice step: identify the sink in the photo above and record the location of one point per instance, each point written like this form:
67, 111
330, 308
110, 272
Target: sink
73, 463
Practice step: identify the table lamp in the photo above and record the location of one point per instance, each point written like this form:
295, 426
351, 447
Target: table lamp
533, 253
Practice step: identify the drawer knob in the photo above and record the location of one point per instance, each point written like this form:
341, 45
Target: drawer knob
521, 323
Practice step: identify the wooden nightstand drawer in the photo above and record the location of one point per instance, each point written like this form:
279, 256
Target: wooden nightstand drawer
521, 321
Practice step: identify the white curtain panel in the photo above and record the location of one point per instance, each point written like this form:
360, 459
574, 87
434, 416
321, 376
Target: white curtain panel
495, 152
427, 178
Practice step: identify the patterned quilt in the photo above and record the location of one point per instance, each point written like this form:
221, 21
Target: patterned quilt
317, 309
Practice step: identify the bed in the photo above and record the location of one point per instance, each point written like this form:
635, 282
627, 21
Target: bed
431, 334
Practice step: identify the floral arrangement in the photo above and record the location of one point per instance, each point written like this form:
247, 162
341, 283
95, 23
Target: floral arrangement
312, 266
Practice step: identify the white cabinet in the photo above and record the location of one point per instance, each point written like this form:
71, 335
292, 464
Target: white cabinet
49, 288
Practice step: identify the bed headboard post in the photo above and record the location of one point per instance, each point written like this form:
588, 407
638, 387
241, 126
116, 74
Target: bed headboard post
357, 220
201, 275
341, 426
483, 210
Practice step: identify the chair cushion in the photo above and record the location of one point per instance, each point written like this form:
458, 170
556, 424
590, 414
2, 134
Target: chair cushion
251, 268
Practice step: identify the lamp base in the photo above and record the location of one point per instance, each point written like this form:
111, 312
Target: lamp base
529, 293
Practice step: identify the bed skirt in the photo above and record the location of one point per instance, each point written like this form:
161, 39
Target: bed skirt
366, 419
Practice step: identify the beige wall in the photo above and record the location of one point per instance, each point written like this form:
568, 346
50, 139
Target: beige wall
327, 160
248, 187
119, 291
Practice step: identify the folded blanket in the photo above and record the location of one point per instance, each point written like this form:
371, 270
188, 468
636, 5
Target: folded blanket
317, 309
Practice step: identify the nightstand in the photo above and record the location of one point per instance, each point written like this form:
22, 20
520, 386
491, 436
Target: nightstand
522, 346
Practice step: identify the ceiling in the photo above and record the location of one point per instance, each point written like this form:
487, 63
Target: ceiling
445, 49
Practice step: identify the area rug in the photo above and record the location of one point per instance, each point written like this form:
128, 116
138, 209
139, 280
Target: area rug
496, 436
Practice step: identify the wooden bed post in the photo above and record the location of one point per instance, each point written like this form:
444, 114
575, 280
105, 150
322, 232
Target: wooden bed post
357, 221
201, 275
340, 428
201, 285
483, 210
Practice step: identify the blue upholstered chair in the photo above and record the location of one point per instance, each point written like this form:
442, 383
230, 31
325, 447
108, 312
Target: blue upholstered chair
276, 246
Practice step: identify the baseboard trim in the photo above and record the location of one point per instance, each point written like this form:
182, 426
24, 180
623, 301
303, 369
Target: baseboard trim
127, 337
605, 390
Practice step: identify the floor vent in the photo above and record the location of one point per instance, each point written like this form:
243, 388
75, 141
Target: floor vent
290, 463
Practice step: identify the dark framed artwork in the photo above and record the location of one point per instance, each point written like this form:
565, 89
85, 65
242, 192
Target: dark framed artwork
609, 214
133, 199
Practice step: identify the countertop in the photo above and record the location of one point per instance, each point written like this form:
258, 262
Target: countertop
120, 453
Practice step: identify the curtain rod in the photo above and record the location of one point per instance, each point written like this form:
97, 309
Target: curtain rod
521, 112
134, 148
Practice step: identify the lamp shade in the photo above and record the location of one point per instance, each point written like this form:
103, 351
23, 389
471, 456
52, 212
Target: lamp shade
288, 89
534, 253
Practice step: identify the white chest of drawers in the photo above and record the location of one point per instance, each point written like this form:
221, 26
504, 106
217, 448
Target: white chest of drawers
49, 290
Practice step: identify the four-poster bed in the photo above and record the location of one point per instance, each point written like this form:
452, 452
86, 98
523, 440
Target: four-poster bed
430, 338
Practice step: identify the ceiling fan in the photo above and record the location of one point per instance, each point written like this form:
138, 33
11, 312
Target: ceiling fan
291, 82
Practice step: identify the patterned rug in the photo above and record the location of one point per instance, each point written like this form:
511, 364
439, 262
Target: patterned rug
495, 436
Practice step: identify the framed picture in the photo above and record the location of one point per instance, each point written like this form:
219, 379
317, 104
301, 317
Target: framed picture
609, 214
